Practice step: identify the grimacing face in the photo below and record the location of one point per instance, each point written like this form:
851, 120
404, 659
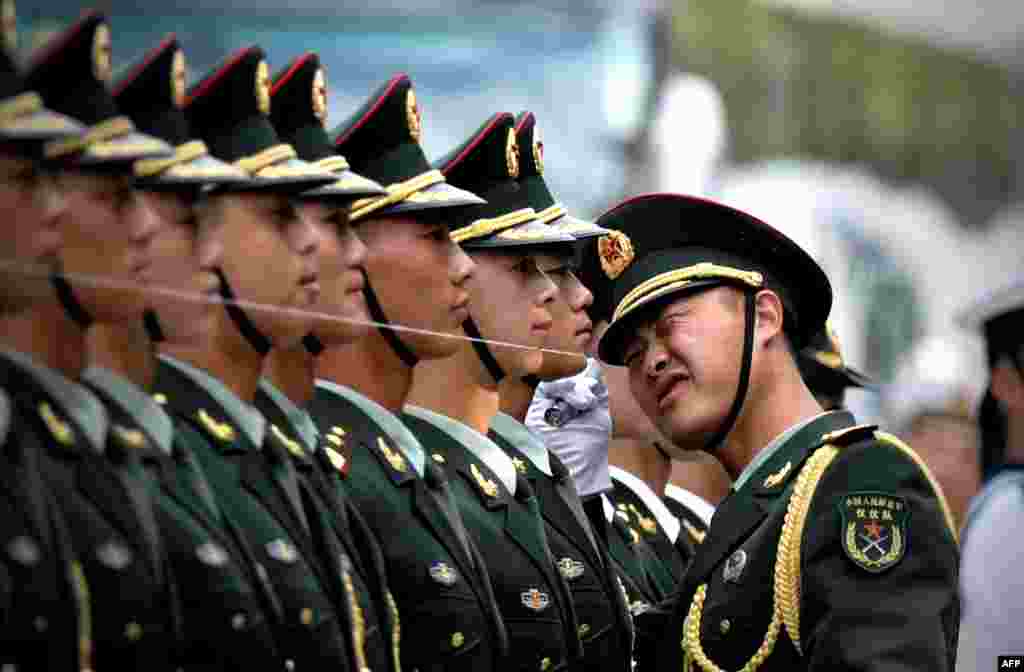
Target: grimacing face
108, 232
571, 328
684, 365
270, 259
419, 276
510, 295
341, 258
30, 239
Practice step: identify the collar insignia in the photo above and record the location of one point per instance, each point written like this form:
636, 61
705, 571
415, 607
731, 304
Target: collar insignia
571, 569
60, 429
535, 600
519, 465
646, 524
130, 438
778, 476
222, 430
489, 487
291, 444
338, 460
439, 458
615, 252
393, 457
634, 535
697, 535
443, 573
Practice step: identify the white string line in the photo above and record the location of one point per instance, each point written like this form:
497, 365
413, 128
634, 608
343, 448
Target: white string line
106, 282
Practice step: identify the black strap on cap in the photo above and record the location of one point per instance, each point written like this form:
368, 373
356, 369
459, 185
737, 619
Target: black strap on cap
407, 356
260, 343
152, 324
744, 381
66, 295
313, 345
482, 351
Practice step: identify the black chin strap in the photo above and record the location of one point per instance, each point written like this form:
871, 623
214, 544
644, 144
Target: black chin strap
744, 381
407, 356
66, 295
482, 351
260, 343
313, 345
152, 324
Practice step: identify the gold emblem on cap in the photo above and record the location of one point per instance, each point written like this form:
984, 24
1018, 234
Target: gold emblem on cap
512, 154
538, 151
320, 96
101, 67
9, 19
616, 253
179, 78
412, 115
263, 87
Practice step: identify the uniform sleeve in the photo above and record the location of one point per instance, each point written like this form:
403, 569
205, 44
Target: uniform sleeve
879, 566
993, 593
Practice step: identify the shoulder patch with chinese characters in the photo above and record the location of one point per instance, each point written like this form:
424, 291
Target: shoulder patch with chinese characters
874, 529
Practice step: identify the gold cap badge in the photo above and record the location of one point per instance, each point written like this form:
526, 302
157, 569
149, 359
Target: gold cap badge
616, 253
179, 78
320, 96
538, 150
263, 87
412, 115
101, 66
512, 154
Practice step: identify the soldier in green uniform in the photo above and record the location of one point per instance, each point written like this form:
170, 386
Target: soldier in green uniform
835, 549
107, 233
825, 372
453, 400
39, 573
267, 274
298, 112
605, 625
207, 554
413, 275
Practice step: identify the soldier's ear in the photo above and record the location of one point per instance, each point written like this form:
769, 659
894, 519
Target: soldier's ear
1008, 385
768, 320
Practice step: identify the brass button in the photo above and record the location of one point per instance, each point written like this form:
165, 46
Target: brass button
133, 632
545, 665
584, 630
725, 626
239, 621
306, 616
40, 623
458, 639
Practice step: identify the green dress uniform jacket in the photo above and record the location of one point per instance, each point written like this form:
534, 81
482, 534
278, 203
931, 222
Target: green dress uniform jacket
505, 521
347, 530
450, 621
110, 522
227, 607
43, 597
605, 625
836, 552
256, 486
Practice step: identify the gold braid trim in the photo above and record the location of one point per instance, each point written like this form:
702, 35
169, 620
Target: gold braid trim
80, 587
184, 153
396, 633
269, 156
786, 594
358, 623
101, 132
19, 106
331, 164
550, 214
679, 278
396, 194
485, 227
909, 452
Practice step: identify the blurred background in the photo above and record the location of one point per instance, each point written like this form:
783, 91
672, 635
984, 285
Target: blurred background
882, 135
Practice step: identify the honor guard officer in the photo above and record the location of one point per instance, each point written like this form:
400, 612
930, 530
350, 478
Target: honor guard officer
454, 400
605, 626
269, 264
826, 373
208, 554
414, 275
835, 549
298, 112
107, 233
41, 596
990, 582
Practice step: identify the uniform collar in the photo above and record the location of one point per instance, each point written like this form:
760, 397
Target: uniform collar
695, 503
525, 441
768, 451
299, 418
243, 415
134, 401
668, 522
74, 400
388, 422
476, 443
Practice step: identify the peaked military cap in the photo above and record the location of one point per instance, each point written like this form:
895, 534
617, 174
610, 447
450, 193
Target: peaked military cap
152, 93
229, 110
531, 181
488, 164
298, 112
823, 367
23, 118
382, 142
72, 73
664, 244
1000, 316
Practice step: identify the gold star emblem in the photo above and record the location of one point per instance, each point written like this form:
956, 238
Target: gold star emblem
489, 487
519, 465
223, 431
778, 476
393, 457
615, 252
60, 429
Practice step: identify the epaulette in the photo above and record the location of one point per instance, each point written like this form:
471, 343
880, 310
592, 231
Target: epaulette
847, 436
910, 454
